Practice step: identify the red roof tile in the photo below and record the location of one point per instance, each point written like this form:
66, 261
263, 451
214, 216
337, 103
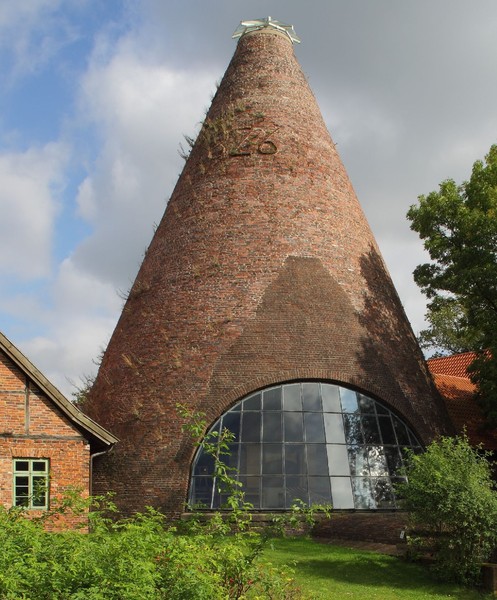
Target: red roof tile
455, 365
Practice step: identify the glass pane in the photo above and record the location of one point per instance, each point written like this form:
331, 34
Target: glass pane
230, 457
338, 459
333, 426
381, 489
353, 431
314, 427
22, 497
231, 422
401, 431
370, 429
341, 492
317, 459
358, 460
251, 488
319, 490
272, 430
296, 489
349, 400
381, 410
363, 497
24, 481
252, 403
294, 431
40, 465
272, 458
39, 491
331, 398
412, 437
291, 397
366, 405
272, 399
251, 427
204, 464
386, 428
202, 491
377, 461
273, 493
22, 465
295, 463
250, 459
310, 396
394, 460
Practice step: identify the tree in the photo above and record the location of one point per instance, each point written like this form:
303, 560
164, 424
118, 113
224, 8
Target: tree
459, 227
452, 507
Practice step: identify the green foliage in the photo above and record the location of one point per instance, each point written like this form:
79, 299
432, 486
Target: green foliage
452, 507
459, 227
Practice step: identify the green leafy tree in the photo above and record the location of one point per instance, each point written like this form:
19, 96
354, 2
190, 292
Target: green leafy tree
452, 507
458, 225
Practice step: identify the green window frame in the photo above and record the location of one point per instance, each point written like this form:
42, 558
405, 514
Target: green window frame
31, 479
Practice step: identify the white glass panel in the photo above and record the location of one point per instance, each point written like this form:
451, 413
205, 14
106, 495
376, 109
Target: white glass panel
333, 427
341, 492
338, 460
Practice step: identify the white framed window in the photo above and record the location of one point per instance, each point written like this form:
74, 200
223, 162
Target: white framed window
31, 483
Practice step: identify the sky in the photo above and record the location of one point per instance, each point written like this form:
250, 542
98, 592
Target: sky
97, 96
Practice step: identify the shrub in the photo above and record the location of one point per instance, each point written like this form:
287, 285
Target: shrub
452, 507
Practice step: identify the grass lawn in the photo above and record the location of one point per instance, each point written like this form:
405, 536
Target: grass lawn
329, 572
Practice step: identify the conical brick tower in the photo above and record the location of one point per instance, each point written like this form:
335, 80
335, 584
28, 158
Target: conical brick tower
263, 271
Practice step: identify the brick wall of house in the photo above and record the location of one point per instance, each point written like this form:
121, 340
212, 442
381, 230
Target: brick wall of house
263, 270
33, 427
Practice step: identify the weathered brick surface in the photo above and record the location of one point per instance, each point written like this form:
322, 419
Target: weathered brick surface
262, 270
32, 427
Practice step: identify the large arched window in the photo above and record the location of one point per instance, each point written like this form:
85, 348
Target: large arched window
316, 442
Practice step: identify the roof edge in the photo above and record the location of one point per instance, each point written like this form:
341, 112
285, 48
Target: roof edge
73, 413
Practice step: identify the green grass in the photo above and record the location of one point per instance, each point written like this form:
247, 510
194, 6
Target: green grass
329, 572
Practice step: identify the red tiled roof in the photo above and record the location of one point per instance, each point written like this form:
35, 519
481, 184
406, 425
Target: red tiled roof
454, 365
459, 396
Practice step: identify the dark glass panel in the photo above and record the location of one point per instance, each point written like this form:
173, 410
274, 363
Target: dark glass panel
231, 422
319, 490
401, 431
377, 461
230, 457
366, 405
370, 429
250, 459
311, 398
317, 459
331, 398
22, 497
396, 482
314, 427
23, 481
252, 402
271, 399
204, 464
40, 465
381, 410
272, 430
273, 492
382, 492
349, 400
251, 427
358, 461
295, 462
291, 397
363, 496
202, 491
412, 437
39, 491
386, 428
394, 460
22, 465
293, 426
272, 458
353, 431
237, 407
251, 487
296, 489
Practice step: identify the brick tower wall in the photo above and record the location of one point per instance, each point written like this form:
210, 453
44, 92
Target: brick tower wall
263, 270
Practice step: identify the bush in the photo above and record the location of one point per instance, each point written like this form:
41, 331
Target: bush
452, 507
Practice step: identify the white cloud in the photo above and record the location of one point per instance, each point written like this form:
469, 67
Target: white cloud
29, 184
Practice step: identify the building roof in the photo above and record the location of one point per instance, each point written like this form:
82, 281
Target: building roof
450, 376
454, 365
100, 438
